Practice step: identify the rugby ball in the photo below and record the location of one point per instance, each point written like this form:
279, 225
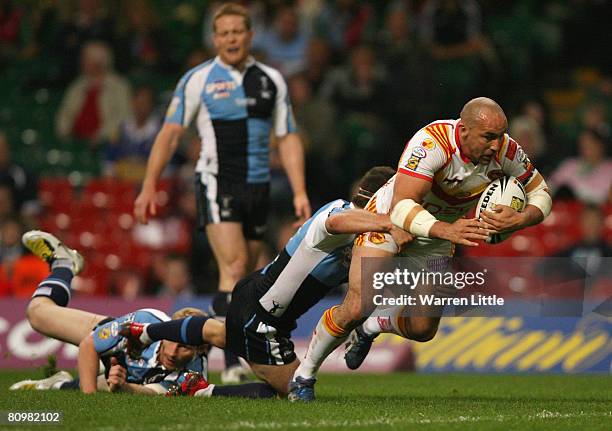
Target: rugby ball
504, 191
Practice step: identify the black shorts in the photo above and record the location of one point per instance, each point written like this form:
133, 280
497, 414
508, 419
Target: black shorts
225, 201
248, 336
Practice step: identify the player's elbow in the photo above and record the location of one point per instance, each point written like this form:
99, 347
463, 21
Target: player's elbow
87, 343
334, 224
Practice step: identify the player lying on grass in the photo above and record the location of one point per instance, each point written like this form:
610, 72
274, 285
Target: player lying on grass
266, 304
160, 367
441, 174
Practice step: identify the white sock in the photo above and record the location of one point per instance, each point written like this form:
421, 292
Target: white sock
388, 323
371, 326
326, 337
206, 392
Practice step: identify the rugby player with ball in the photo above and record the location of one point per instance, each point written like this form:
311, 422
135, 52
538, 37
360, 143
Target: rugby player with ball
444, 169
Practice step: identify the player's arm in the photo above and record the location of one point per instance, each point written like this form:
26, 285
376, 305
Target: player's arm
291, 153
412, 183
539, 202
88, 365
357, 221
164, 147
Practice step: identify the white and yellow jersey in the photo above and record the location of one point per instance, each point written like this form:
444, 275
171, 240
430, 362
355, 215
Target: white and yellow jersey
434, 154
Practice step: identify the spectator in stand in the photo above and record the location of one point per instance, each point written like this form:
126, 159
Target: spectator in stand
127, 284
345, 23
127, 156
407, 106
7, 202
22, 184
97, 102
592, 244
451, 30
318, 61
176, 278
587, 177
285, 44
357, 86
11, 20
528, 130
141, 39
19, 271
316, 122
89, 21
357, 90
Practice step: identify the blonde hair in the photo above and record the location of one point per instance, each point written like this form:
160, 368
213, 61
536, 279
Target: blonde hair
188, 311
232, 9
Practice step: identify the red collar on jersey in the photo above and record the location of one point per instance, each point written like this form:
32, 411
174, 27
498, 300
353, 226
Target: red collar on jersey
458, 142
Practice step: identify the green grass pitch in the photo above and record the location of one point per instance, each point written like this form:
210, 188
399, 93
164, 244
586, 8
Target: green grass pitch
353, 401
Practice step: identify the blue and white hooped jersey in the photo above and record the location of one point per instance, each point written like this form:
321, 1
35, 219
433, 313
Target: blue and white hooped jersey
146, 369
235, 113
312, 263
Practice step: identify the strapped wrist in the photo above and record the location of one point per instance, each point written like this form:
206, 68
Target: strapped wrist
412, 217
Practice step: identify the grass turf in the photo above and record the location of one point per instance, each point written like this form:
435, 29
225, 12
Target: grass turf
352, 401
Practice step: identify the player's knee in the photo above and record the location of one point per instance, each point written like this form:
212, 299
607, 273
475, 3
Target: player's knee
423, 333
35, 312
236, 268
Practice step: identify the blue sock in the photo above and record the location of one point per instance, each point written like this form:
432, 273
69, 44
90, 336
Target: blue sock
219, 307
56, 286
71, 385
185, 331
247, 390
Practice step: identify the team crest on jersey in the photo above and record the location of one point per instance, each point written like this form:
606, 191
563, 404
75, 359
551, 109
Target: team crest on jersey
495, 174
104, 334
517, 204
377, 238
174, 103
428, 144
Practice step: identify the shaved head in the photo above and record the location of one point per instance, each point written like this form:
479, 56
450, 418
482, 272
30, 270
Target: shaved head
481, 129
482, 109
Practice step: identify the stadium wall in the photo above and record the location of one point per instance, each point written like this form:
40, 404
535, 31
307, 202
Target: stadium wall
470, 344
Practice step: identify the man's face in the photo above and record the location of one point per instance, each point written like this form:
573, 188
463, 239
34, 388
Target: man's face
232, 39
174, 356
481, 139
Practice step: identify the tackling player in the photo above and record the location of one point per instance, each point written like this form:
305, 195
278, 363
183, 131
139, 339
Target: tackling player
441, 174
153, 371
266, 304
